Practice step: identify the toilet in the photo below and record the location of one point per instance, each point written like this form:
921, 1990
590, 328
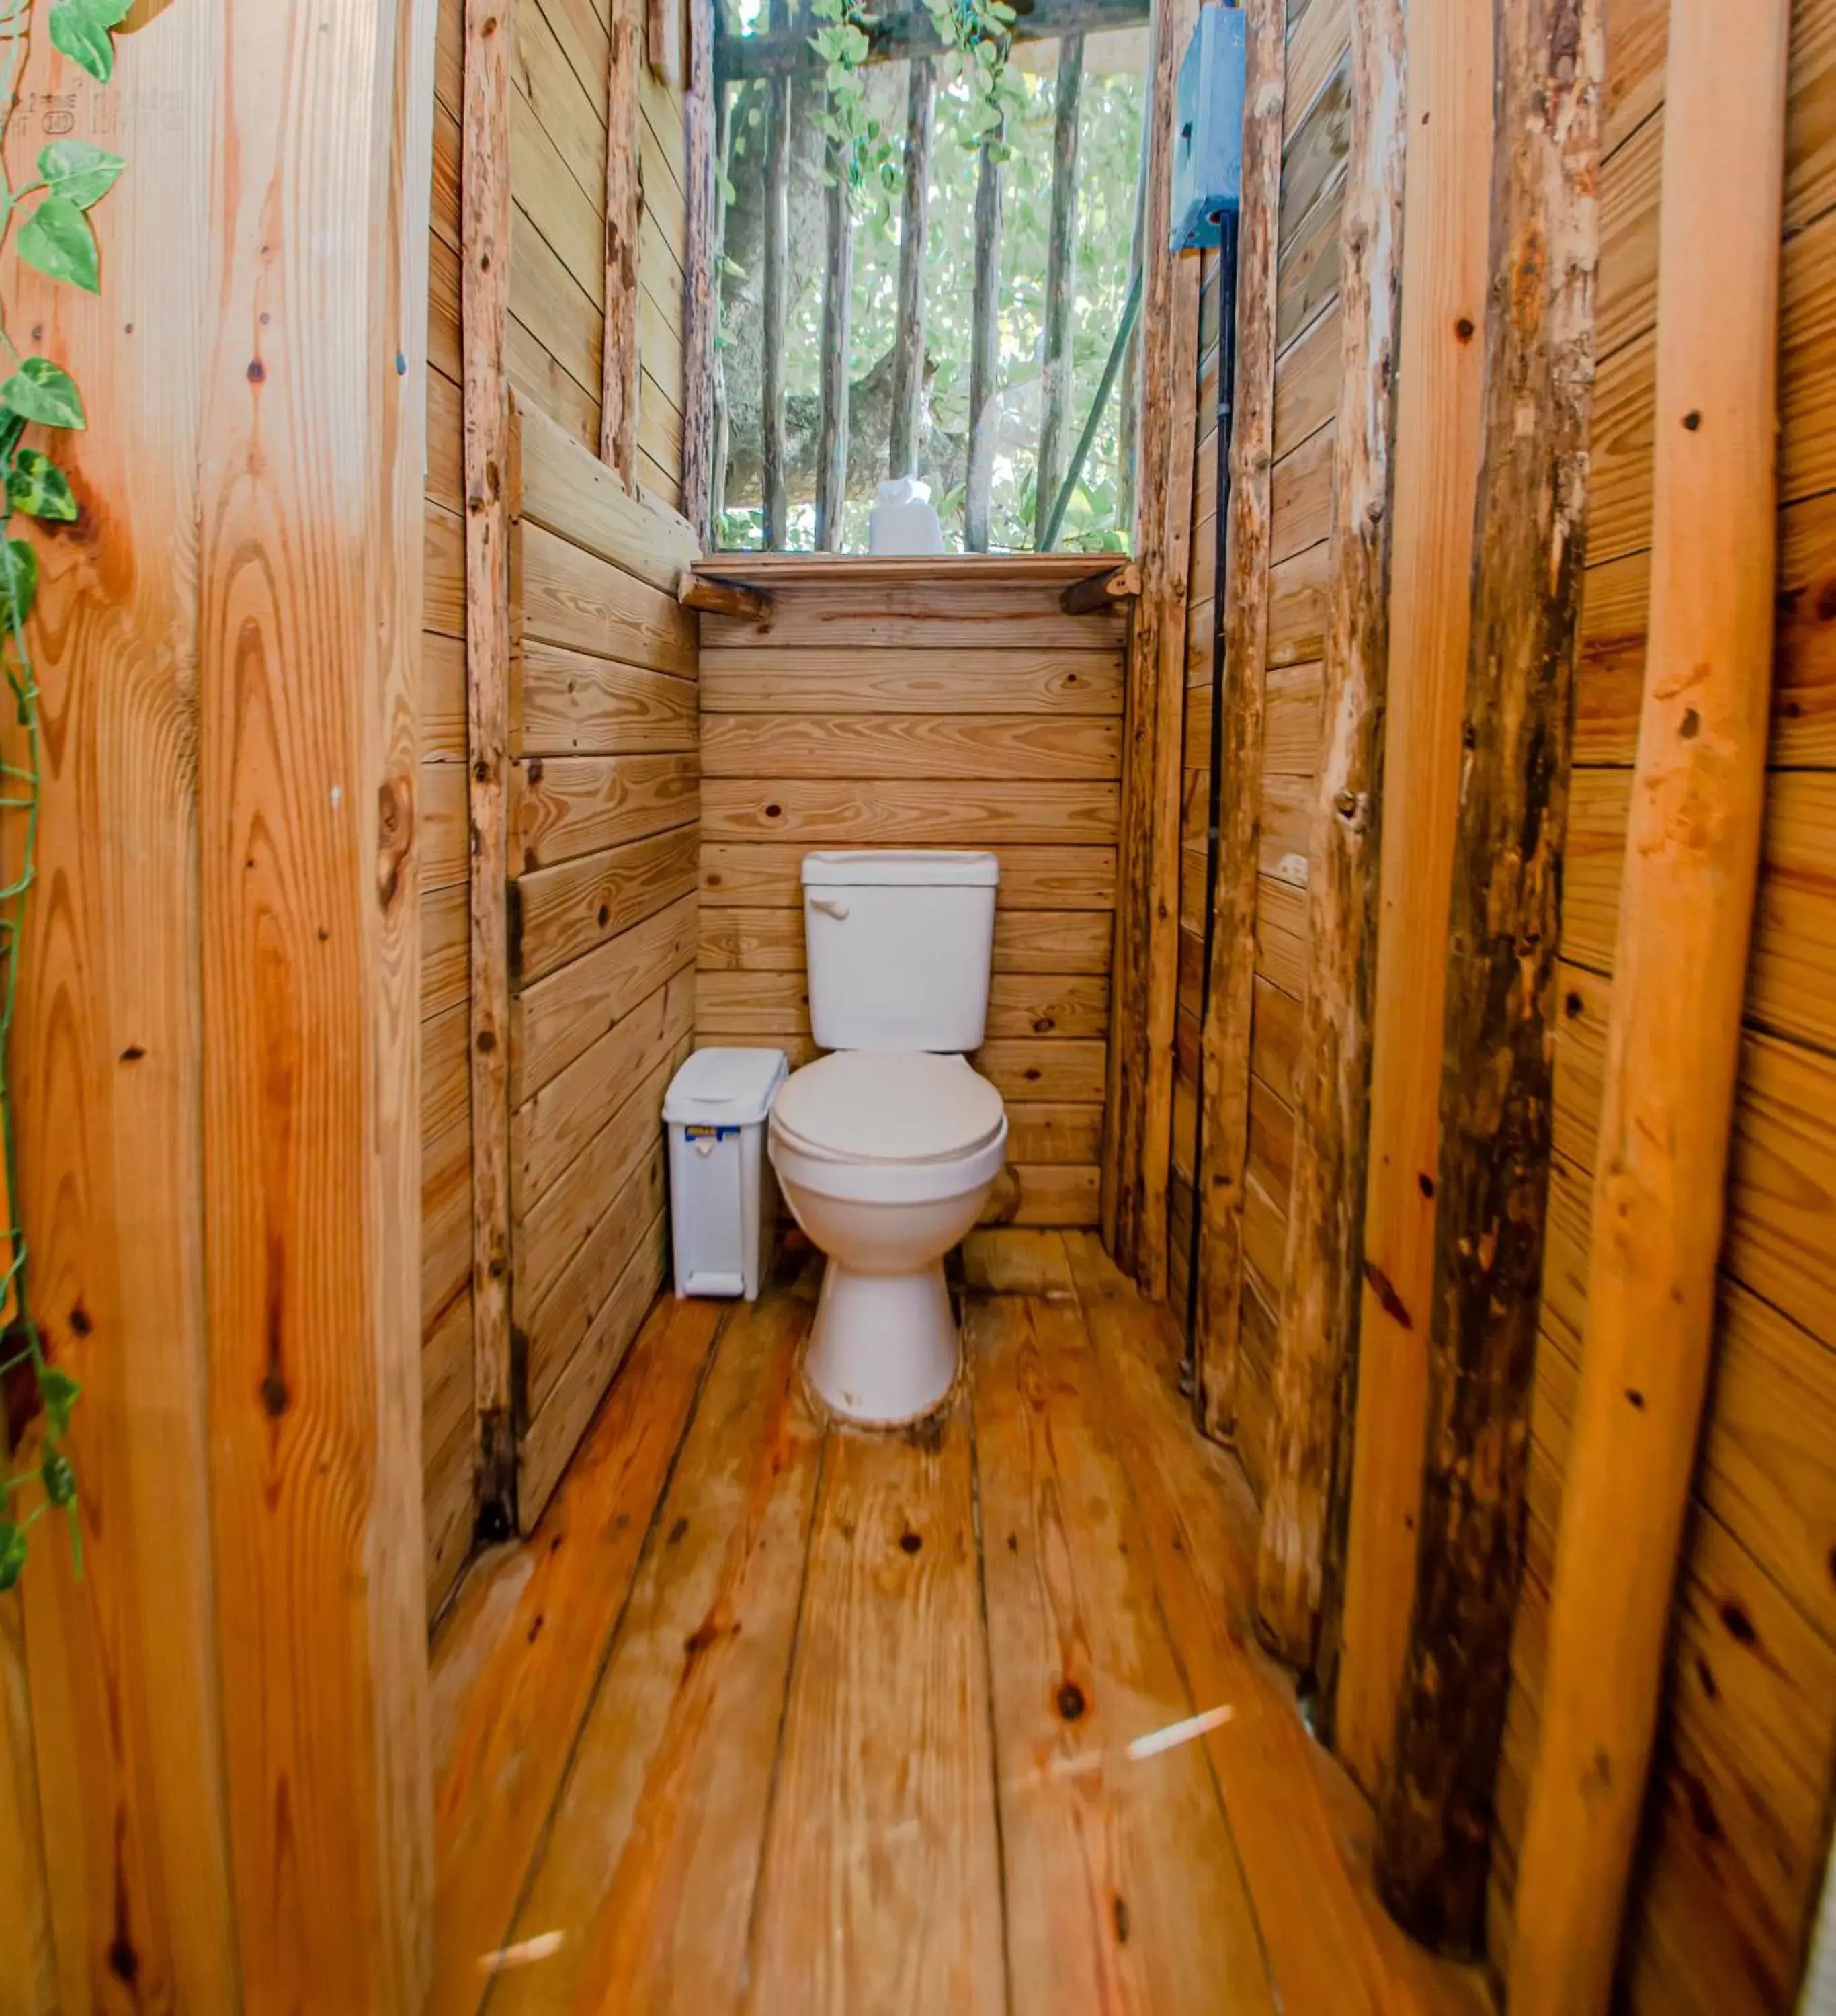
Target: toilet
886, 1148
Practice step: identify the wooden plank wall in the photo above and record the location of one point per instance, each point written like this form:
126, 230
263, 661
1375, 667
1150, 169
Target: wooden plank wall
941, 714
1306, 380
560, 72
603, 855
559, 86
1737, 1822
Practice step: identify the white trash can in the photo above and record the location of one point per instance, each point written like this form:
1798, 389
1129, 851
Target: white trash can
723, 1200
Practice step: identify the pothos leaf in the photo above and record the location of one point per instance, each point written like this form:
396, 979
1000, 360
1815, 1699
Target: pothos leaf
43, 391
78, 29
58, 1390
58, 1477
18, 582
37, 486
81, 173
12, 1553
57, 240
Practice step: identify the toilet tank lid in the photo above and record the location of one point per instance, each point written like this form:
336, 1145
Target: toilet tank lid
915, 868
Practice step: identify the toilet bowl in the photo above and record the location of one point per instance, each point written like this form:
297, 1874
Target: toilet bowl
886, 1148
886, 1158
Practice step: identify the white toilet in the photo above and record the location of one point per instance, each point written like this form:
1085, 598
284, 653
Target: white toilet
887, 1150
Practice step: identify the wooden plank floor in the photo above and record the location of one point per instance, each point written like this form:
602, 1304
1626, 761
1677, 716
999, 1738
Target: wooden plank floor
775, 1717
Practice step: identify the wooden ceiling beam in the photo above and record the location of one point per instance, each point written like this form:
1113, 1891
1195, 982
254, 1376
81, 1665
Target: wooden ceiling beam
899, 38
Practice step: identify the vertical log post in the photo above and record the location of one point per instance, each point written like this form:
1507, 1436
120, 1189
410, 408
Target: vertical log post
698, 280
1139, 929
1309, 1459
619, 380
1679, 978
1061, 260
1224, 1053
1504, 935
311, 460
717, 474
838, 280
775, 308
1440, 389
908, 356
484, 277
984, 352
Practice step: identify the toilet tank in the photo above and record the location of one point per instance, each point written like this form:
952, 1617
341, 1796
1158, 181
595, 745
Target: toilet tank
899, 943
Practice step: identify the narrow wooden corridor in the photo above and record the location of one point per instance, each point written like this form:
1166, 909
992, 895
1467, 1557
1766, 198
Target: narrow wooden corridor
773, 1716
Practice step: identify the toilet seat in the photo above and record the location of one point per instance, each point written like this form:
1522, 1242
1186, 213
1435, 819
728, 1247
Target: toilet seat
881, 1108
895, 1127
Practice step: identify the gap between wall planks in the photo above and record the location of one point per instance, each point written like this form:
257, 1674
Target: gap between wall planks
1440, 384
1686, 913
1306, 1497
698, 303
1142, 880
1435, 1816
1224, 1086
485, 215
310, 574
619, 374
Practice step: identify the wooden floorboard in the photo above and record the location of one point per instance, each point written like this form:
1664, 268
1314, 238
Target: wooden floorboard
527, 1673
1123, 1888
773, 1716
881, 1886
649, 1868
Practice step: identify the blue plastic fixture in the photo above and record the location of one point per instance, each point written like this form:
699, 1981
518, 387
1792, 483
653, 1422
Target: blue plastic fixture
1207, 146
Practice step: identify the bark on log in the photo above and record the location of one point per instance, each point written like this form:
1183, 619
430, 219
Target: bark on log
1309, 1461
907, 363
776, 306
837, 287
1679, 976
1504, 936
1061, 260
1440, 384
619, 378
1126, 1124
985, 352
484, 279
698, 278
1224, 1055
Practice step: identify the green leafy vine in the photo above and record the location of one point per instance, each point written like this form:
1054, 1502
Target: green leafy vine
979, 33
55, 236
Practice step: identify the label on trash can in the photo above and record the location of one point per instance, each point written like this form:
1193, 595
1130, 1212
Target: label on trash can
710, 1133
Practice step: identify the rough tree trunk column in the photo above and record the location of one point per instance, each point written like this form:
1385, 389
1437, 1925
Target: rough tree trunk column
984, 351
837, 287
1310, 1447
1679, 975
1061, 261
1224, 1055
776, 292
907, 361
1504, 937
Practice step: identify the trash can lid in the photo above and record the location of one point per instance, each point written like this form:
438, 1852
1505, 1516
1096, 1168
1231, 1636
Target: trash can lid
726, 1088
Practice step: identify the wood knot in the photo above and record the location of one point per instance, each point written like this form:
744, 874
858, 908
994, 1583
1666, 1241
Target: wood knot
1071, 1701
395, 837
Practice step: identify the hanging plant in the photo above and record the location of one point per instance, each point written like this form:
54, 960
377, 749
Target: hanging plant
861, 149
55, 236
980, 32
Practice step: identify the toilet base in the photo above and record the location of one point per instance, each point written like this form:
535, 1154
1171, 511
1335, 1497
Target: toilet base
884, 1348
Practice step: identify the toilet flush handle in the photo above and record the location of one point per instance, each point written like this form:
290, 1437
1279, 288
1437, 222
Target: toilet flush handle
829, 906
